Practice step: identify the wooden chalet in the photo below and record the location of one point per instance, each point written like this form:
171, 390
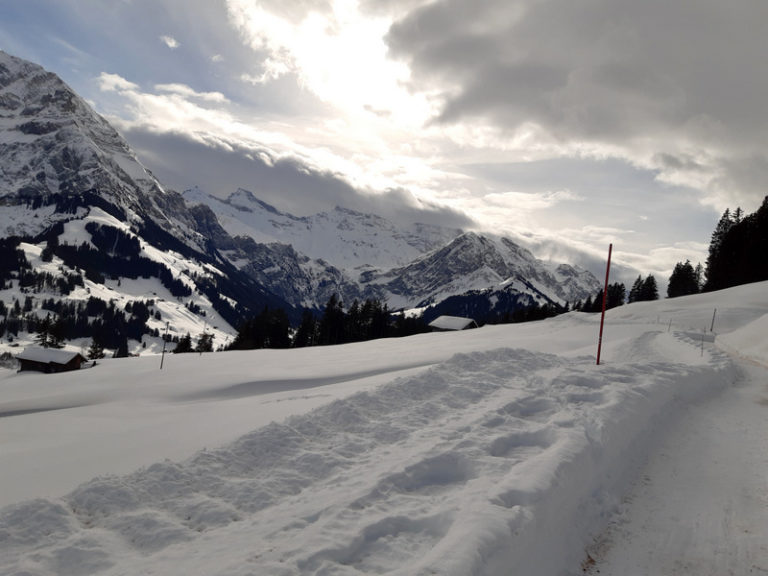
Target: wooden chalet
49, 360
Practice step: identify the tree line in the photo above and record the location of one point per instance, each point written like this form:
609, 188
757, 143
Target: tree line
368, 320
737, 255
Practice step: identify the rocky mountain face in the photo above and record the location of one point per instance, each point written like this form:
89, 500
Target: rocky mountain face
55, 149
85, 228
68, 181
359, 256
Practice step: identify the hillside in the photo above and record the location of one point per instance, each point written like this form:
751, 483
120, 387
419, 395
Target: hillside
94, 246
451, 453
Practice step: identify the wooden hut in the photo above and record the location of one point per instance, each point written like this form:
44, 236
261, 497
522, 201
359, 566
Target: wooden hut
49, 360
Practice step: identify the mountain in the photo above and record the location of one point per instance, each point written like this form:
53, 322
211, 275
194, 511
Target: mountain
344, 238
76, 203
356, 255
92, 246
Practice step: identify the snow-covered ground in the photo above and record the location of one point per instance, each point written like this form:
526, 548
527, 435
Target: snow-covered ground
502, 450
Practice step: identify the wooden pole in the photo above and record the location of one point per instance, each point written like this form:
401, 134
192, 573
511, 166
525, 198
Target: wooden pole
605, 298
165, 339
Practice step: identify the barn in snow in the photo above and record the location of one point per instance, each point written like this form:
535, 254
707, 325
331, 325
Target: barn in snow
49, 360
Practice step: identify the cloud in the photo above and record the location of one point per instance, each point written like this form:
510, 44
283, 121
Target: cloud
186, 92
642, 81
220, 167
115, 83
170, 41
336, 51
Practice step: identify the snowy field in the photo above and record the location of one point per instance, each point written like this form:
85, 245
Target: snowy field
497, 451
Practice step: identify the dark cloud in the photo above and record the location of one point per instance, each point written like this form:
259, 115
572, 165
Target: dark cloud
645, 77
563, 62
288, 184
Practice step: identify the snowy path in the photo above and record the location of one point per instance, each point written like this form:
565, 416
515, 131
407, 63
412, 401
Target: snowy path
701, 505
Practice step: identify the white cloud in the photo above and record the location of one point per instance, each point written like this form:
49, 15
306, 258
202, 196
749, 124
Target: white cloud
187, 92
170, 41
114, 82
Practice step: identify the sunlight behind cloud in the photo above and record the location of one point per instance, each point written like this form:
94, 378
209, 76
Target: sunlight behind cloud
338, 54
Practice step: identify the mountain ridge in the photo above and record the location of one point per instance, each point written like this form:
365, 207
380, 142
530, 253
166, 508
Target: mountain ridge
78, 204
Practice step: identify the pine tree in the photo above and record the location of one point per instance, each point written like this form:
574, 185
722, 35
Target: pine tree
96, 350
616, 294
306, 335
682, 281
331, 329
44, 331
184, 345
122, 348
49, 333
649, 290
204, 343
714, 262
634, 292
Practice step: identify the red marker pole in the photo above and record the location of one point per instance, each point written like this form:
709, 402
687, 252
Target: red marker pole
605, 297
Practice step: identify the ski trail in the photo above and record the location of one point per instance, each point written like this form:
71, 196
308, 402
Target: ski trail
701, 504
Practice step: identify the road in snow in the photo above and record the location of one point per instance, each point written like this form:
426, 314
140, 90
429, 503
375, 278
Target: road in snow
497, 451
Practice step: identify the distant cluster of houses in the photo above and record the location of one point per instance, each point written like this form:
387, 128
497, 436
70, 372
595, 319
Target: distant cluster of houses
51, 360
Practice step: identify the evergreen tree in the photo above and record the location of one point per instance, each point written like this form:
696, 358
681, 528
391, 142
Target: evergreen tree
715, 244
597, 303
96, 350
184, 345
306, 335
683, 280
634, 292
49, 333
649, 290
331, 329
204, 343
44, 331
122, 348
617, 292
740, 255
277, 328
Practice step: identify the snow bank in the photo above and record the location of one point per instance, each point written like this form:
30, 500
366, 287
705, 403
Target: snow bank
750, 341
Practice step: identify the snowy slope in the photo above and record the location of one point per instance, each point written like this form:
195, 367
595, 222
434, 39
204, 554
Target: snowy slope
493, 451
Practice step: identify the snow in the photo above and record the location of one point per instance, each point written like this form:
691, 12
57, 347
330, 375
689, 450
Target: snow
46, 355
491, 451
451, 323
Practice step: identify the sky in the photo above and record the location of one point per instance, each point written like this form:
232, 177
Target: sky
568, 125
